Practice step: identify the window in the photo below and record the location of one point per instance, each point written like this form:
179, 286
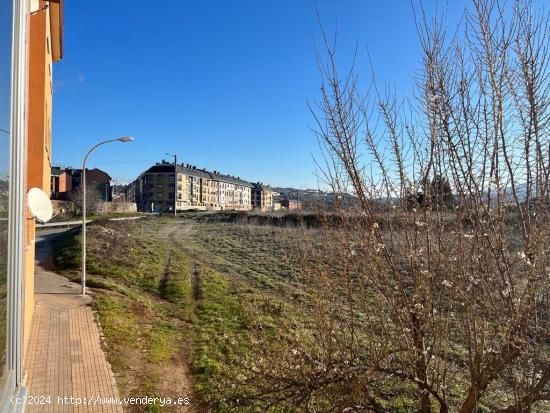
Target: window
12, 168
5, 127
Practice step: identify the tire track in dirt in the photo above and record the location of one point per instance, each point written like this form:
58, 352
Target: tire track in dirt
170, 237
172, 233
176, 239
197, 294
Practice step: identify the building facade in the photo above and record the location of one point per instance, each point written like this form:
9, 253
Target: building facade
262, 197
154, 189
163, 187
290, 204
194, 188
45, 45
97, 181
61, 183
30, 42
232, 193
66, 181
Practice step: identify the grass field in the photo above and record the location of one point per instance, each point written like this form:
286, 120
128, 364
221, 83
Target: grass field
176, 296
216, 309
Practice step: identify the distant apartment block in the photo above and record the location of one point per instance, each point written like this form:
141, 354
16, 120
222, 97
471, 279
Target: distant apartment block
164, 187
118, 193
61, 182
262, 197
290, 204
65, 181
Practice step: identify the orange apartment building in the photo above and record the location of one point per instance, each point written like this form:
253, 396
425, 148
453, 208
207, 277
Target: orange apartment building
61, 183
45, 48
31, 33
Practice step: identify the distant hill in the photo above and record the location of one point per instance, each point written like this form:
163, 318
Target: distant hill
312, 198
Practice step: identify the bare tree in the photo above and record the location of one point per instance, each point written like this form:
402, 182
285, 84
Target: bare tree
432, 307
93, 199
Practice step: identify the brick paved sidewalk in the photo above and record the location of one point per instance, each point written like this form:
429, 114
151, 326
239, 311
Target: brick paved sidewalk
64, 354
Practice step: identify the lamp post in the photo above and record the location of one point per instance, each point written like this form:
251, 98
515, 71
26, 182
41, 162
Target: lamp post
84, 190
175, 181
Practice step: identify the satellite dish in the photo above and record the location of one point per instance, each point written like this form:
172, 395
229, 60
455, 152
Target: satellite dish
40, 205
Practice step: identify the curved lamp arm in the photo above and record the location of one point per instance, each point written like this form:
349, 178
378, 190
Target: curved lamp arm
93, 148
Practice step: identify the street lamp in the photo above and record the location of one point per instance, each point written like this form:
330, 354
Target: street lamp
175, 182
83, 186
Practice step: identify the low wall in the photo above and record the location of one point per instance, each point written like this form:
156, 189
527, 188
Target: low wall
116, 207
68, 207
63, 207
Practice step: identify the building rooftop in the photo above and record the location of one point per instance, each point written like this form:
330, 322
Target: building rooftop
76, 172
229, 179
263, 187
191, 170
160, 168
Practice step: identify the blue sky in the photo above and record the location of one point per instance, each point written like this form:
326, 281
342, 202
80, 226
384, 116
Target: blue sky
224, 84
5, 63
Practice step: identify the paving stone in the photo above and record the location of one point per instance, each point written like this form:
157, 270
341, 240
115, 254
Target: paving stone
64, 355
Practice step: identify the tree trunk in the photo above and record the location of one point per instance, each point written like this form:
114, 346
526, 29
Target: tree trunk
425, 403
470, 404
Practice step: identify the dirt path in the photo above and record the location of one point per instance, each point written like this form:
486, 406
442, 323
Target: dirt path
177, 234
174, 234
147, 313
196, 280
